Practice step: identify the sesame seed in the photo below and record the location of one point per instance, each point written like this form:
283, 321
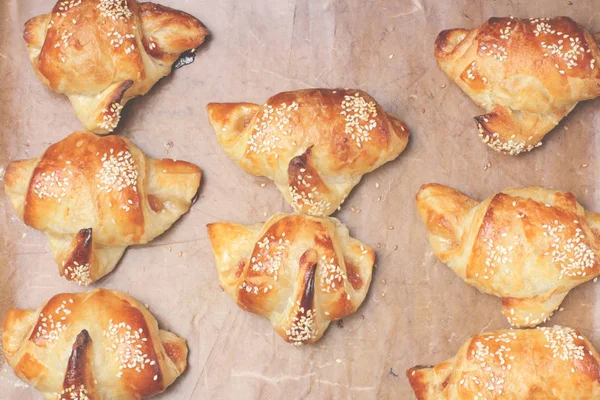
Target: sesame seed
128, 344
272, 122
360, 118
78, 273
303, 326
118, 172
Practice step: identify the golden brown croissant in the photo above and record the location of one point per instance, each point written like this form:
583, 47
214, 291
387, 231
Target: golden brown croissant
95, 196
555, 363
94, 346
526, 73
528, 246
301, 272
314, 144
102, 53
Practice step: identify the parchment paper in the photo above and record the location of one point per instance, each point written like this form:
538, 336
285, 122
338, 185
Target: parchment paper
417, 311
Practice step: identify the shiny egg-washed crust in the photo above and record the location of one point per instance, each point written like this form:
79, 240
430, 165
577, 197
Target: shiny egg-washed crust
555, 363
102, 53
315, 144
94, 196
526, 73
98, 345
528, 246
301, 272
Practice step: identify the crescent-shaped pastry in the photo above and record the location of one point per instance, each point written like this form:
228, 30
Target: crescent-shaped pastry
301, 272
555, 363
528, 246
315, 144
94, 196
526, 73
102, 53
99, 345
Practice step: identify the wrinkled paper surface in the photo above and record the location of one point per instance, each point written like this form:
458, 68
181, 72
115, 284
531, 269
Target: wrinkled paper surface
259, 48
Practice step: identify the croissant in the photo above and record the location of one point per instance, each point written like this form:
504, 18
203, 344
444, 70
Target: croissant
94, 196
526, 73
102, 53
314, 144
301, 272
97, 345
555, 363
528, 246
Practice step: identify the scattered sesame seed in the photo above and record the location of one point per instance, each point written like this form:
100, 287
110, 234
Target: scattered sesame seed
128, 345
391, 227
78, 273
360, 118
585, 165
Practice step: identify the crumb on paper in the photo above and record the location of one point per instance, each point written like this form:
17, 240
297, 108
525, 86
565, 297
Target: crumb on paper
422, 110
169, 249
2, 171
395, 375
570, 3
443, 86
378, 245
383, 281
396, 247
23, 235
340, 323
566, 128
382, 294
180, 254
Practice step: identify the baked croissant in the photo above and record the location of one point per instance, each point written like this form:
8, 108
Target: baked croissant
94, 346
528, 246
102, 53
526, 73
314, 144
555, 363
301, 272
94, 196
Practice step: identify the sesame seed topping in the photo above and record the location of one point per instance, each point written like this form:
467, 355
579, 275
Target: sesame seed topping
561, 341
305, 197
274, 120
303, 326
360, 118
79, 273
128, 344
114, 9
332, 277
52, 185
52, 325
569, 250
111, 117
118, 172
510, 146
74, 393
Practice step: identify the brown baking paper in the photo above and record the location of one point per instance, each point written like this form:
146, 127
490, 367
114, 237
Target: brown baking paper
417, 311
